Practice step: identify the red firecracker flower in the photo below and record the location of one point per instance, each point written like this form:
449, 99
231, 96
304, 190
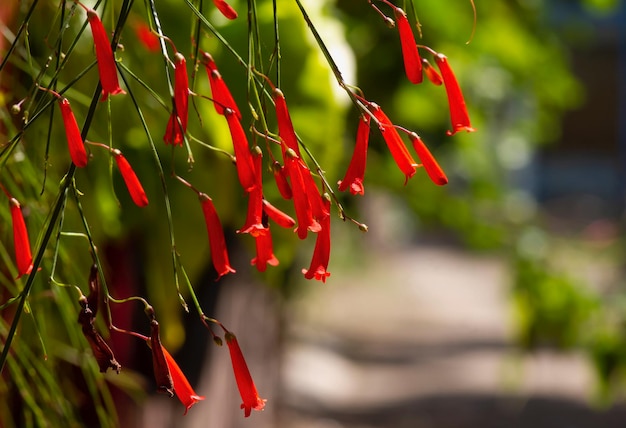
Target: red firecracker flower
277, 216
217, 242
182, 387
130, 178
244, 163
398, 150
264, 251
285, 125
104, 55
226, 9
458, 110
222, 98
254, 219
356, 170
431, 73
245, 384
74, 140
177, 124
162, 375
410, 54
147, 38
23, 256
301, 201
431, 166
280, 176
321, 254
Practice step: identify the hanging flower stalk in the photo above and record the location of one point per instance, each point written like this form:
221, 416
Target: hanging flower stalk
104, 55
177, 123
21, 243
410, 54
458, 110
429, 163
245, 384
356, 170
133, 184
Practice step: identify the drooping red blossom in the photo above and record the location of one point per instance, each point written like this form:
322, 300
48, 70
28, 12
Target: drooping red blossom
321, 253
130, 178
244, 163
217, 242
222, 98
264, 251
431, 166
431, 73
182, 387
75, 143
301, 201
147, 38
101, 351
226, 9
245, 384
318, 208
398, 150
254, 218
162, 375
285, 125
410, 54
277, 216
23, 256
104, 55
458, 110
280, 176
356, 170
177, 123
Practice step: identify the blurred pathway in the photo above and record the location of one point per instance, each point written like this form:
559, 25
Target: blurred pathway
422, 337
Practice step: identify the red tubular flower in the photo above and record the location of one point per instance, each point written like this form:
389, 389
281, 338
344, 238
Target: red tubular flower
104, 55
254, 219
277, 216
182, 387
74, 140
23, 256
264, 251
130, 178
280, 176
244, 163
177, 124
147, 38
431, 73
321, 254
219, 253
162, 375
222, 98
285, 126
410, 54
398, 150
356, 170
318, 209
458, 109
431, 166
301, 201
245, 384
226, 9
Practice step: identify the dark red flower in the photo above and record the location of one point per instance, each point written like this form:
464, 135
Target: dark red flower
226, 9
74, 140
431, 73
245, 384
356, 170
222, 98
177, 124
458, 110
264, 251
130, 178
431, 166
217, 242
398, 150
410, 54
104, 55
280, 176
23, 256
277, 216
182, 387
244, 163
254, 219
321, 254
102, 352
162, 375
